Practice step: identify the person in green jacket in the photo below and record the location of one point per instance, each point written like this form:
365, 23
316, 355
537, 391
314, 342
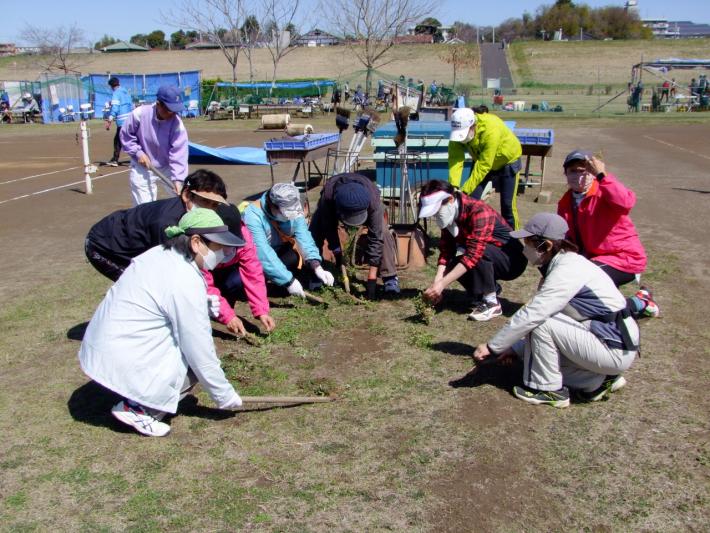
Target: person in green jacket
495, 151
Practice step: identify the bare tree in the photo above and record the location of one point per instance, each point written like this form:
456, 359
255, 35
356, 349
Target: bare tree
250, 32
374, 25
220, 21
460, 56
278, 15
55, 46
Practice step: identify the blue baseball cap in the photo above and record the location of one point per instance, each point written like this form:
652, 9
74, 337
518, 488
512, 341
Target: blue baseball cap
171, 97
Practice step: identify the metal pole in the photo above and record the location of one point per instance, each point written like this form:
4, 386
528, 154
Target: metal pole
85, 151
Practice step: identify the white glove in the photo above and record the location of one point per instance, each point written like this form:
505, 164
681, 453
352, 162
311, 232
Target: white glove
296, 289
325, 276
234, 402
213, 305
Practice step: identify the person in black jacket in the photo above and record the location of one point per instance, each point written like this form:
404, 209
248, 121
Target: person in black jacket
355, 201
119, 237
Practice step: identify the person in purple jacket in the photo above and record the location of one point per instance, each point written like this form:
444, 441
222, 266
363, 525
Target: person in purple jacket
155, 137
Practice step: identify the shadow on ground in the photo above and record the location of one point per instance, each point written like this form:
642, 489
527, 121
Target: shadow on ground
502, 377
76, 333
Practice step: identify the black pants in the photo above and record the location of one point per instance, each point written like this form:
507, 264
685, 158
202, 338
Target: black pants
116, 144
290, 259
108, 265
505, 181
506, 263
619, 277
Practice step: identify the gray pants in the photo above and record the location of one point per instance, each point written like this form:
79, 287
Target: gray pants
562, 351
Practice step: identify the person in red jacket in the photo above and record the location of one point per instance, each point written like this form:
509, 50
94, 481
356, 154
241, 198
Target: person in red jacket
596, 208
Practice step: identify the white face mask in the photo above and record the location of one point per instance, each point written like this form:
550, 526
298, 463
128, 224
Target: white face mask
212, 258
532, 254
446, 214
469, 137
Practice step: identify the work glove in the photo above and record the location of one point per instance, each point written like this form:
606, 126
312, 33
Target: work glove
296, 289
325, 276
213, 305
234, 402
371, 291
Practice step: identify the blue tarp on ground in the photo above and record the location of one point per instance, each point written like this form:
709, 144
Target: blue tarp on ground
234, 155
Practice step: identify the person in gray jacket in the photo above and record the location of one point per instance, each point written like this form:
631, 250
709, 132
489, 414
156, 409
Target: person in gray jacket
575, 331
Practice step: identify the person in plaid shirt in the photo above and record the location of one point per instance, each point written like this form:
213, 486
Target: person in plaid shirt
475, 248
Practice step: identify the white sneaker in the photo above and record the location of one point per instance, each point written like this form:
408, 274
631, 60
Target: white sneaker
144, 420
485, 311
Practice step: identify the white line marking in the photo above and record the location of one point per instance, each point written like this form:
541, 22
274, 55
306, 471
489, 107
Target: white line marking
61, 187
37, 175
676, 146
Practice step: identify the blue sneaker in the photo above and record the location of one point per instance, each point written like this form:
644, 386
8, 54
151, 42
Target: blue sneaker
391, 285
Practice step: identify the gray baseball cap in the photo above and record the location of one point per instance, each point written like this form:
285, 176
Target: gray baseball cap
287, 198
545, 225
577, 155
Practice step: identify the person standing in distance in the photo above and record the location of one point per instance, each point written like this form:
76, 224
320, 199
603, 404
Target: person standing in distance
155, 137
496, 153
121, 107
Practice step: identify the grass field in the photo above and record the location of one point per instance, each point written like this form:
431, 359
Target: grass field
401, 449
575, 63
325, 62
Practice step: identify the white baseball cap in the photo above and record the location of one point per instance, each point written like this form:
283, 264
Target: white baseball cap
461, 121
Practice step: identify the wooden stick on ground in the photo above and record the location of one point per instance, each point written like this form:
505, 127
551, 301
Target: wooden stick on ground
315, 299
346, 279
287, 399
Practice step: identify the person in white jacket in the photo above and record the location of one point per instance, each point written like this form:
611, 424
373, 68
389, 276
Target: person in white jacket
575, 332
150, 340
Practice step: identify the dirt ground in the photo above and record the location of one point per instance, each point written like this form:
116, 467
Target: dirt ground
404, 450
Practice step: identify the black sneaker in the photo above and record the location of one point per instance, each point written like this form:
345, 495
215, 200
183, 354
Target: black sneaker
485, 311
558, 398
609, 385
112, 163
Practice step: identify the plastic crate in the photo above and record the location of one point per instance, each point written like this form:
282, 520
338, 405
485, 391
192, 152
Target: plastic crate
534, 136
301, 142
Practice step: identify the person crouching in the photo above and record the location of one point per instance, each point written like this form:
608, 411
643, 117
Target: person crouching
150, 340
475, 248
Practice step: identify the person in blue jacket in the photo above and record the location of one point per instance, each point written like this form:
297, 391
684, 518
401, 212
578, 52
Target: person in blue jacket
283, 242
121, 107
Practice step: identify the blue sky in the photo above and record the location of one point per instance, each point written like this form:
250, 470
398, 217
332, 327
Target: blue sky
127, 17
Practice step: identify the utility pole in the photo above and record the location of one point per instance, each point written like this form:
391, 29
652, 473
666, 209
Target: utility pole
493, 39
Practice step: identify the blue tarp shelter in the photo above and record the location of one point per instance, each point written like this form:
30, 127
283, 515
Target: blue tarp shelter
143, 87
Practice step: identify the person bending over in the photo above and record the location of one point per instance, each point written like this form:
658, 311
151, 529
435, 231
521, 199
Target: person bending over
283, 241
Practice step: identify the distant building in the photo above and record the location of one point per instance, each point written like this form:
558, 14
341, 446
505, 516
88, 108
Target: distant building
8, 49
29, 50
202, 45
446, 32
316, 37
676, 29
123, 46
